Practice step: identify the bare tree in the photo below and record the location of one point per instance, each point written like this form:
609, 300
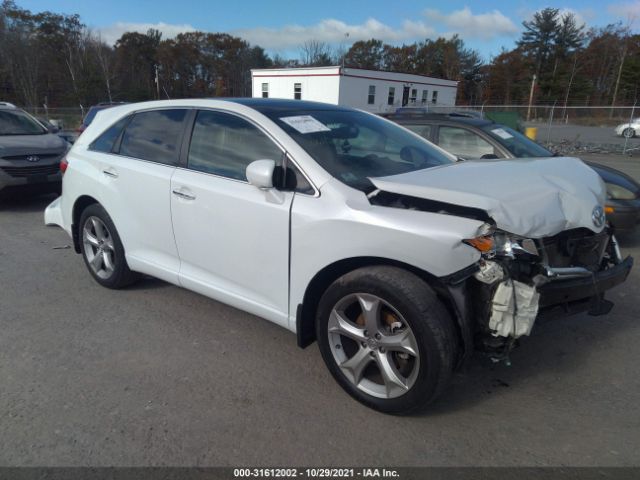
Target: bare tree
314, 53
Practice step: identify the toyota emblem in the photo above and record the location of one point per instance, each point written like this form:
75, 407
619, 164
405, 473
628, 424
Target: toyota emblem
598, 217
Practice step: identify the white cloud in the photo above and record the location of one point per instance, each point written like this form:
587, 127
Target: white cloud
113, 32
464, 22
333, 31
469, 25
628, 11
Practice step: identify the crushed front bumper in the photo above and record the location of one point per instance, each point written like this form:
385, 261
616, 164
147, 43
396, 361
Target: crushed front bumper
575, 293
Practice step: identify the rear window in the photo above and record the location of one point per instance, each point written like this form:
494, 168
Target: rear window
105, 142
154, 136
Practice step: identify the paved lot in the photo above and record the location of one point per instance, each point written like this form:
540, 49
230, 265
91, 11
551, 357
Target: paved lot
582, 134
157, 375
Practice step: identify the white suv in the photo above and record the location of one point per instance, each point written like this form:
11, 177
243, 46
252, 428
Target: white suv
342, 227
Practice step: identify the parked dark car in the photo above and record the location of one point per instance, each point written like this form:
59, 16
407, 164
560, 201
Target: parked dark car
469, 137
29, 153
91, 113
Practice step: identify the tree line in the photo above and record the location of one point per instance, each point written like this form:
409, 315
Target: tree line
53, 59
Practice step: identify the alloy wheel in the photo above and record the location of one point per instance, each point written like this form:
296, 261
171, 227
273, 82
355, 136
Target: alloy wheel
98, 247
373, 345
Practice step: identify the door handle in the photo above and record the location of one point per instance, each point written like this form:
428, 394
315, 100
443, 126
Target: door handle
110, 173
183, 195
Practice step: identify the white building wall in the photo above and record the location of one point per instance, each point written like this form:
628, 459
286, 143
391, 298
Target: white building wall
354, 92
350, 87
318, 85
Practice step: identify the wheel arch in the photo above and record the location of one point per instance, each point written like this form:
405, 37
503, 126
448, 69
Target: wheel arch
81, 203
306, 311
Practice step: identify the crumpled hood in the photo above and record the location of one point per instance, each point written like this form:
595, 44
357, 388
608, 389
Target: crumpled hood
531, 197
26, 144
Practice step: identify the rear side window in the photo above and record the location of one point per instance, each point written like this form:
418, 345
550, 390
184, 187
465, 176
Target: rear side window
154, 136
105, 142
224, 145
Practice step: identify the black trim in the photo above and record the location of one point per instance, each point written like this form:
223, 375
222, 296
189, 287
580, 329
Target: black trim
304, 330
566, 292
75, 235
187, 131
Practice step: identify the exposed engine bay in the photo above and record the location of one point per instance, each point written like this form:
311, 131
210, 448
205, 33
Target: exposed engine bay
518, 280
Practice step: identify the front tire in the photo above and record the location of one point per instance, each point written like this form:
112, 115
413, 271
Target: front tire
629, 133
386, 338
102, 249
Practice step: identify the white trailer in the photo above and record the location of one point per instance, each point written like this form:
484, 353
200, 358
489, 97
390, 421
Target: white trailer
371, 90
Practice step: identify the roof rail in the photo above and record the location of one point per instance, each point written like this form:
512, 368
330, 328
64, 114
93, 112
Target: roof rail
7, 105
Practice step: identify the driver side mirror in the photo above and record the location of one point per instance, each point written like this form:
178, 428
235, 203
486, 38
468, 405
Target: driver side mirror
260, 173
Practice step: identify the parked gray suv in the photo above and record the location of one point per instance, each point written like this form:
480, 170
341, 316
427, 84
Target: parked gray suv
29, 153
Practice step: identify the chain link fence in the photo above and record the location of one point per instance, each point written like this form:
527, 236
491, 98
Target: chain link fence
64, 118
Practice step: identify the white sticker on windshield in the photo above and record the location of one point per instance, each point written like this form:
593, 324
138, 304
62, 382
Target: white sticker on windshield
305, 124
502, 133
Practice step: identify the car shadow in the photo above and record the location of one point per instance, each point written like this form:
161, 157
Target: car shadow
552, 347
629, 240
148, 283
25, 202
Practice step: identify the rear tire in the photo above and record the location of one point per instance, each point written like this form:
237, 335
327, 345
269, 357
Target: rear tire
102, 249
386, 338
629, 133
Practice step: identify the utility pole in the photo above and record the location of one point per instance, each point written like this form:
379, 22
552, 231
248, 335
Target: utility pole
615, 90
157, 83
344, 52
533, 86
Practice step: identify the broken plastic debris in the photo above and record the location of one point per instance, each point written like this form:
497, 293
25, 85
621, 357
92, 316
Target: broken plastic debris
63, 247
490, 272
514, 309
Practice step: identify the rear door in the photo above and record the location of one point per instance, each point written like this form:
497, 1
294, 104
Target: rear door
136, 179
232, 238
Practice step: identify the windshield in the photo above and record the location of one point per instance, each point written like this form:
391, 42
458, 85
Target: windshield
353, 146
19, 123
519, 145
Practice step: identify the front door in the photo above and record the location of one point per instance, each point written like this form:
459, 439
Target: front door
405, 96
232, 238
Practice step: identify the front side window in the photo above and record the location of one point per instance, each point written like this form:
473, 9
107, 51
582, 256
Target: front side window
154, 136
19, 123
414, 95
372, 95
464, 143
106, 141
425, 96
265, 90
223, 144
392, 94
434, 97
297, 91
354, 146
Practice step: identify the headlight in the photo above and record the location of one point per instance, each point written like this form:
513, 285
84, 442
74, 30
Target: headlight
501, 244
616, 192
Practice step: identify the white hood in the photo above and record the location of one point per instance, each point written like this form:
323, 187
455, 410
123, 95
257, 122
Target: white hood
531, 197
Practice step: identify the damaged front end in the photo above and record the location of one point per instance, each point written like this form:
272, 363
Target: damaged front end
520, 279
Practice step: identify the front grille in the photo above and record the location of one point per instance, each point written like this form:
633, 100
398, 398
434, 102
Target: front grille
27, 171
45, 156
576, 248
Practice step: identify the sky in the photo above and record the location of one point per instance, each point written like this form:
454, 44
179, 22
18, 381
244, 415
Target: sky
281, 26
